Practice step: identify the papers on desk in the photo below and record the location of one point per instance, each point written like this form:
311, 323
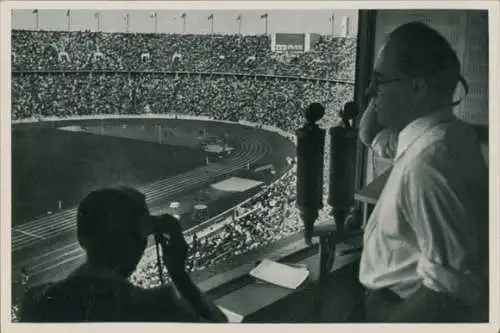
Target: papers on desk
280, 274
232, 317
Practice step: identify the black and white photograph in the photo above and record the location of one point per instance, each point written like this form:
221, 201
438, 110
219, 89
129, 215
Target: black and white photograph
248, 163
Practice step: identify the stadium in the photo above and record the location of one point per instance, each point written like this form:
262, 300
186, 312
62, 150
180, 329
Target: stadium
202, 124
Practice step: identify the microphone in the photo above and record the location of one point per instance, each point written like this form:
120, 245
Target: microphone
349, 112
310, 153
343, 148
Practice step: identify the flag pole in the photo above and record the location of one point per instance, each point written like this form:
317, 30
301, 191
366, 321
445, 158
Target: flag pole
211, 27
154, 18
239, 24
265, 16
127, 22
183, 16
332, 21
68, 18
36, 19
98, 18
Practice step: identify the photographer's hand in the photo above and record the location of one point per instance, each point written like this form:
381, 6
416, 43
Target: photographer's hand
175, 254
175, 247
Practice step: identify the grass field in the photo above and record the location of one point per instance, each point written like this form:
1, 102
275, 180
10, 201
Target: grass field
50, 165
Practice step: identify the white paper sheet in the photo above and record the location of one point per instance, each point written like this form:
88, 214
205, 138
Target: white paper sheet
232, 317
280, 274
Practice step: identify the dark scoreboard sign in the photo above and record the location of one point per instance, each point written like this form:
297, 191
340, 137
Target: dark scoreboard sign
290, 42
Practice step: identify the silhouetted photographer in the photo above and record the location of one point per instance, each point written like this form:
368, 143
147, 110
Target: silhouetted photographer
113, 226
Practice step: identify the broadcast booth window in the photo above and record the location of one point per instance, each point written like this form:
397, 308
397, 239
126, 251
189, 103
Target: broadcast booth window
251, 152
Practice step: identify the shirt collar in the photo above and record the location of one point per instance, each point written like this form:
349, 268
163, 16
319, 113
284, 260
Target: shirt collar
418, 127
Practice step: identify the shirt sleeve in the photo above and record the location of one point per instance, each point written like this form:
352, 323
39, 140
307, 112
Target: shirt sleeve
438, 219
385, 144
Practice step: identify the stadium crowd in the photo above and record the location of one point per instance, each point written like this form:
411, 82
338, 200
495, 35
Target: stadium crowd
234, 95
274, 102
83, 50
266, 218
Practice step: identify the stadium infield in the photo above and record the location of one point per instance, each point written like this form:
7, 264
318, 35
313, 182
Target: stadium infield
49, 165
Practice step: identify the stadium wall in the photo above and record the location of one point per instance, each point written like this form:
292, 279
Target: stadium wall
184, 73
279, 131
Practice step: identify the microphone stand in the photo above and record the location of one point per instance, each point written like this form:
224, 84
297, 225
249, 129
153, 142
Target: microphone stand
159, 239
341, 188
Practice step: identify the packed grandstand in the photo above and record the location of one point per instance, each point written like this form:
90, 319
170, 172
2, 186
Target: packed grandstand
227, 77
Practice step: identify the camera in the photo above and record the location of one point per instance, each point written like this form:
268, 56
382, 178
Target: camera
164, 224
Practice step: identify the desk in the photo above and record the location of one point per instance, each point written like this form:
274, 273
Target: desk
261, 302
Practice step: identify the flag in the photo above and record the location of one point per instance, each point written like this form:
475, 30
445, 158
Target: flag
67, 13
35, 11
263, 16
126, 16
183, 15
238, 18
97, 14
153, 15
211, 17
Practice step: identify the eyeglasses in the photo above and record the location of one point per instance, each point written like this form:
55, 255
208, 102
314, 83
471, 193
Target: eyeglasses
376, 82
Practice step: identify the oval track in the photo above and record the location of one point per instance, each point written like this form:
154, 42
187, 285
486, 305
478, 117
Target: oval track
248, 150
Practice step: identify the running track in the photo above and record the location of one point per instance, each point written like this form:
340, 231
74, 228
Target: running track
249, 149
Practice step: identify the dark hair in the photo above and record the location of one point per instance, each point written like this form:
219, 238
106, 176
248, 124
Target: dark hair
423, 51
105, 214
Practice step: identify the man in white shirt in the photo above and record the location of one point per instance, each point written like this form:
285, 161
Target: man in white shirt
426, 242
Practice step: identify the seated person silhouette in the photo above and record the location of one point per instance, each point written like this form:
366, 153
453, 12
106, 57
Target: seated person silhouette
112, 227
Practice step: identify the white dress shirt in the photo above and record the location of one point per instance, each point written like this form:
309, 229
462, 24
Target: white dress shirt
385, 144
430, 223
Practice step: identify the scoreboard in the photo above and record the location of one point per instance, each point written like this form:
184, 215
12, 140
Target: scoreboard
290, 42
